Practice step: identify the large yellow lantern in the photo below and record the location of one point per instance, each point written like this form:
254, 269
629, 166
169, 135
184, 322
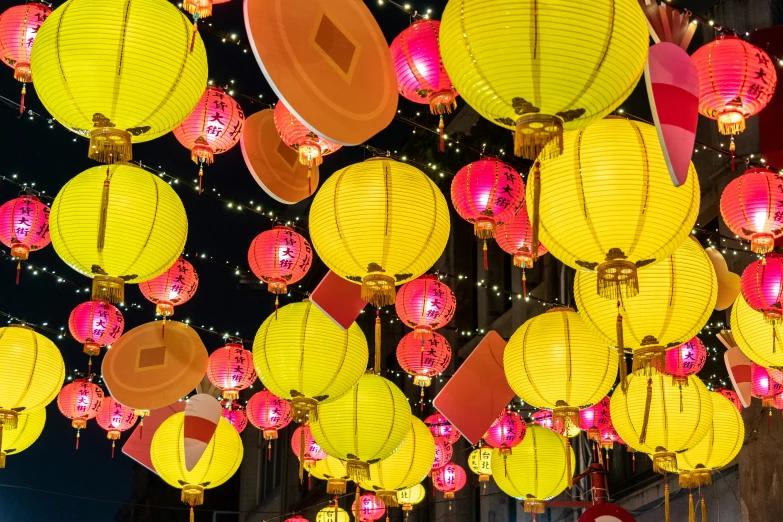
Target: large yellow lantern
676, 299
659, 419
554, 361
537, 470
335, 474
364, 426
379, 223
409, 497
608, 205
28, 428
302, 356
118, 224
759, 339
532, 66
118, 72
406, 467
221, 458
480, 463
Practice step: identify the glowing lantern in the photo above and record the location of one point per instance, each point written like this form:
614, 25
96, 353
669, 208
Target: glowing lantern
333, 513
761, 341
333, 471
425, 304
295, 357
423, 358
764, 385
442, 429
115, 418
506, 432
310, 146
172, 288
510, 67
231, 369
480, 463
609, 436
366, 424
542, 418
516, 238
268, 413
449, 479
409, 497
305, 448
279, 257
28, 429
443, 453
594, 419
200, 8
296, 518
95, 324
221, 458
736, 81
80, 401
19, 26
370, 508
379, 223
118, 224
83, 81
748, 208
732, 396
235, 414
685, 359
762, 286
24, 221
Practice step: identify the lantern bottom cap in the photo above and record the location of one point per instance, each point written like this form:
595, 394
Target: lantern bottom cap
389, 498
664, 461
617, 278
164, 308
108, 289
484, 227
20, 251
538, 136
230, 394
304, 409
79, 423
113, 434
92, 349
443, 102
649, 360
731, 122
110, 145
336, 486
378, 289
23, 72
422, 380
762, 242
695, 478
202, 153
422, 331
202, 8
276, 286
270, 434
358, 471
533, 505
192, 494
142, 413
8, 419
523, 258
310, 153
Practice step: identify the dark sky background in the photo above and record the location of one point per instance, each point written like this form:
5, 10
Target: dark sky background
51, 480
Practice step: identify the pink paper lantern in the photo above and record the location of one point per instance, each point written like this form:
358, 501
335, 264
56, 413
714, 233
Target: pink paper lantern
443, 453
310, 146
449, 479
80, 401
24, 226
748, 207
685, 359
115, 418
441, 428
425, 304
595, 418
609, 436
311, 452
423, 358
268, 413
762, 286
96, 324
235, 414
280, 257
516, 238
172, 288
542, 418
370, 508
764, 385
506, 432
231, 369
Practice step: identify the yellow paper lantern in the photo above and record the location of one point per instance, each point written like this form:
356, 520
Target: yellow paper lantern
379, 223
554, 361
118, 72
409, 497
28, 429
335, 474
364, 426
302, 356
678, 417
608, 205
676, 299
759, 339
118, 224
221, 458
406, 467
333, 513
533, 65
537, 470
480, 463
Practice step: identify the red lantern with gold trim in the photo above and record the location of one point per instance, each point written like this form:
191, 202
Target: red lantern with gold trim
24, 227
748, 206
231, 369
425, 304
172, 288
310, 146
506, 432
279, 257
235, 414
516, 238
115, 418
441, 428
96, 324
268, 413
80, 401
449, 479
18, 27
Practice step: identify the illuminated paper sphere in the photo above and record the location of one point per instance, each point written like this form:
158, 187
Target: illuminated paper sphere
115, 418
309, 451
335, 474
268, 413
762, 286
595, 418
172, 288
310, 147
761, 341
519, 66
748, 207
409, 497
515, 237
28, 428
736, 81
128, 227
95, 324
24, 221
80, 401
370, 508
442, 429
235, 414
443, 453
19, 26
449, 479
231, 369
480, 463
685, 359
279, 257
425, 304
423, 358
333, 513
766, 383
506, 432
380, 224
296, 518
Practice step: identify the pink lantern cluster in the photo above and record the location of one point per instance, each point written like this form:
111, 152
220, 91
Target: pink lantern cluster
762, 286
449, 479
231, 369
96, 324
115, 418
423, 358
506, 432
173, 287
425, 304
370, 508
280, 257
685, 359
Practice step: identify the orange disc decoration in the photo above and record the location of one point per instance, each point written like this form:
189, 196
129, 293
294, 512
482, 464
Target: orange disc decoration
173, 287
310, 146
231, 369
80, 401
274, 165
145, 370
18, 26
328, 61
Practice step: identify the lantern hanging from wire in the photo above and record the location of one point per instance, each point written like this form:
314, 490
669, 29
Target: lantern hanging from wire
231, 369
595, 418
443, 453
19, 26
748, 208
80, 401
449, 479
423, 358
335, 474
762, 286
235, 414
516, 238
506, 432
213, 127
759, 340
172, 288
425, 304
24, 221
95, 324
480, 463
279, 257
685, 359
115, 418
409, 497
442, 429
28, 429
370, 508
268, 413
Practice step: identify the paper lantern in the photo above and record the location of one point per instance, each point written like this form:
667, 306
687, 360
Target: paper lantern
732, 396
762, 286
480, 463
302, 356
333, 513
279, 257
310, 147
409, 497
19, 26
305, 448
674, 420
235, 414
443, 453
519, 66
506, 432
220, 460
764, 386
213, 127
118, 224
736, 81
748, 208
609, 436
553, 361
678, 295
515, 237
335, 474
365, 425
24, 221
759, 340
539, 468
268, 413
685, 359
442, 429
231, 369
544, 419
28, 429
423, 358
595, 418
200, 8
370, 508
80, 401
406, 467
296, 518
113, 97
425, 304
449, 479
172, 288
115, 418
95, 324
379, 223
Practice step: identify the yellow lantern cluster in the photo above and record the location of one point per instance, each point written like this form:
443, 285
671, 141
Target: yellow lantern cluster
379, 223
759, 339
335, 474
607, 205
533, 66
28, 428
118, 72
302, 356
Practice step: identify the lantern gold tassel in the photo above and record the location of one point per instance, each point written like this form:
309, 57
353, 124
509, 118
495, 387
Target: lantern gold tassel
192, 515
195, 32
666, 510
105, 288
623, 368
538, 134
486, 265
378, 289
647, 403
301, 454
357, 470
356, 502
534, 219
703, 509
691, 509
336, 486
21, 102
377, 365
104, 212
569, 471
389, 498
442, 144
732, 148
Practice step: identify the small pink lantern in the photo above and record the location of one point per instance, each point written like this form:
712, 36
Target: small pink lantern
115, 418
506, 432
268, 413
685, 359
96, 324
424, 359
80, 401
732, 396
443, 453
764, 385
24, 227
173, 287
595, 418
449, 479
542, 418
442, 428
425, 304
279, 257
305, 448
609, 436
234, 413
516, 238
370, 508
762, 286
231, 369
310, 146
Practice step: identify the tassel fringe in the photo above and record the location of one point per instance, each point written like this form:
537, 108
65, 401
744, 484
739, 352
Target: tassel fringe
336, 486
535, 218
691, 510
357, 470
378, 290
703, 509
538, 136
666, 509
645, 422
377, 365
622, 366
106, 288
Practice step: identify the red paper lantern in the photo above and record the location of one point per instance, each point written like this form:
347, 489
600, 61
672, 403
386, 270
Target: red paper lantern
173, 287
231, 369
235, 414
296, 518
310, 146
279, 257
506, 432
595, 418
685, 359
370, 508
80, 401
736, 81
18, 27
425, 304
310, 452
542, 418
214, 126
443, 453
115, 418
765, 383
516, 237
762, 286
732, 396
96, 324
24, 224
423, 358
201, 8
449, 479
442, 428
268, 413
748, 205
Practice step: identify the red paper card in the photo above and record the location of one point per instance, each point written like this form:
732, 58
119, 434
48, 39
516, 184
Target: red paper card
339, 299
138, 447
478, 392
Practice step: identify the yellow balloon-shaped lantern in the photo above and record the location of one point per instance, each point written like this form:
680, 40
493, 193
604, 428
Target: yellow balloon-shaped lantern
759, 339
480, 463
28, 429
676, 299
409, 497
335, 474
672, 420
302, 356
379, 223
364, 426
554, 361
532, 66
333, 513
118, 224
406, 467
118, 72
221, 458
608, 205
540, 468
